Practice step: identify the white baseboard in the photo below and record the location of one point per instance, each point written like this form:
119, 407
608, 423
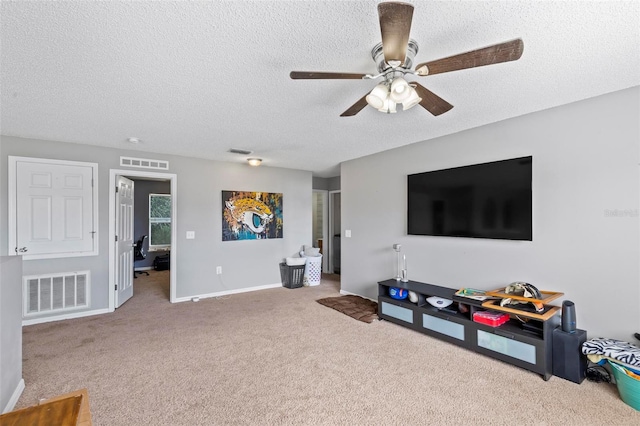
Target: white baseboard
348, 293
14, 397
65, 316
143, 268
226, 292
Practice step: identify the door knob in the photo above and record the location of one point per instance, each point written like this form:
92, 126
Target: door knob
21, 250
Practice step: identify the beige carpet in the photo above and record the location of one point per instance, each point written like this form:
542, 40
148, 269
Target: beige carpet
276, 357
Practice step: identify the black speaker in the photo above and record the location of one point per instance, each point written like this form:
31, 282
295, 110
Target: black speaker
568, 316
568, 360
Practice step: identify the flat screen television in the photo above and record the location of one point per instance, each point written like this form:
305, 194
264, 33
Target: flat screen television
489, 200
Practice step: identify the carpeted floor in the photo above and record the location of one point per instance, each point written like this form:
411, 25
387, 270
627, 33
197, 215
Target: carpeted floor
276, 357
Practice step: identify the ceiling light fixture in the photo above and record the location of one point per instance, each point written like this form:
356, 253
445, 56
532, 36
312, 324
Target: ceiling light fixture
388, 107
399, 90
385, 96
412, 100
378, 95
255, 162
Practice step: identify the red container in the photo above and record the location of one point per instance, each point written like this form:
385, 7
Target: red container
493, 319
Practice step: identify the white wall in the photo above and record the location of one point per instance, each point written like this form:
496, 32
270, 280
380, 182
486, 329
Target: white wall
245, 264
328, 184
585, 163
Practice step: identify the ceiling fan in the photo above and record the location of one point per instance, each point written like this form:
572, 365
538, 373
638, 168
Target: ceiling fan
394, 58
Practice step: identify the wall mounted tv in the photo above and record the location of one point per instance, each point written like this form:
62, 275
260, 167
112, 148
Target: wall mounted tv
489, 200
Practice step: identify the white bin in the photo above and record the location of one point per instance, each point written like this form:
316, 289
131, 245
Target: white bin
313, 270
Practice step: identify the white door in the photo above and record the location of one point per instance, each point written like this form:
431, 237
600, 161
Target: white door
124, 240
53, 208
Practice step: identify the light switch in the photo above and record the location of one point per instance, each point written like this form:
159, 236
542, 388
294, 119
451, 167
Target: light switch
347, 233
191, 235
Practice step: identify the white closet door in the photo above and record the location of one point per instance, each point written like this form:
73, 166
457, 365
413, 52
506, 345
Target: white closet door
54, 208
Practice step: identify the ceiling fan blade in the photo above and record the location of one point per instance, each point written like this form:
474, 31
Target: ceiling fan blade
503, 52
432, 102
395, 25
313, 75
355, 108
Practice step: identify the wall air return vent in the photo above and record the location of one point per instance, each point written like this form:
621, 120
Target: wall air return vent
57, 292
144, 163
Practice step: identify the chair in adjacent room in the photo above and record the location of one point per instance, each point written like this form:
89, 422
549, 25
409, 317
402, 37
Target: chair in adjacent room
139, 254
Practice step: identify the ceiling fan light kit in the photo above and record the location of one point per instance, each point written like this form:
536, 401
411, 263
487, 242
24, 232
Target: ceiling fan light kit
412, 100
385, 96
394, 59
255, 162
400, 90
388, 107
378, 95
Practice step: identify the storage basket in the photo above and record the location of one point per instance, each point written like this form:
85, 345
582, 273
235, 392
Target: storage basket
313, 270
628, 387
292, 276
295, 261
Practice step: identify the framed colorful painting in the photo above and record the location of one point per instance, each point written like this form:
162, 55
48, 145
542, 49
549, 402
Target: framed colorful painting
251, 215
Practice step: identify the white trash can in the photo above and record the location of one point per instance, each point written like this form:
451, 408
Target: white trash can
313, 270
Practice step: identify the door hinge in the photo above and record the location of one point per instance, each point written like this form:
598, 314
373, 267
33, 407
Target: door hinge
117, 189
92, 182
116, 287
116, 238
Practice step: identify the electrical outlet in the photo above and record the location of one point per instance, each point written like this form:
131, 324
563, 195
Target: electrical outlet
218, 270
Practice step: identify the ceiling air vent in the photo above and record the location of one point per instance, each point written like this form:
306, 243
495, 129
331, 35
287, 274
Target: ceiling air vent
240, 151
144, 163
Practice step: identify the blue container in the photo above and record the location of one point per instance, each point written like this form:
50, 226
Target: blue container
398, 293
628, 387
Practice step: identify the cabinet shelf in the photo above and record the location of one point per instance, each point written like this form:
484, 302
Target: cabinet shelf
443, 313
547, 296
515, 327
495, 305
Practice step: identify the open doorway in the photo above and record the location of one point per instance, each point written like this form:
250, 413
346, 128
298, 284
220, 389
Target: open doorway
151, 224
320, 209
334, 232
121, 272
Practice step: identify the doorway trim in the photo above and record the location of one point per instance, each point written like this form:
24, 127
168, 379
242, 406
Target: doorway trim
332, 231
173, 178
325, 228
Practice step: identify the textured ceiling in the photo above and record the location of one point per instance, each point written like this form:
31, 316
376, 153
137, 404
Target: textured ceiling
198, 78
